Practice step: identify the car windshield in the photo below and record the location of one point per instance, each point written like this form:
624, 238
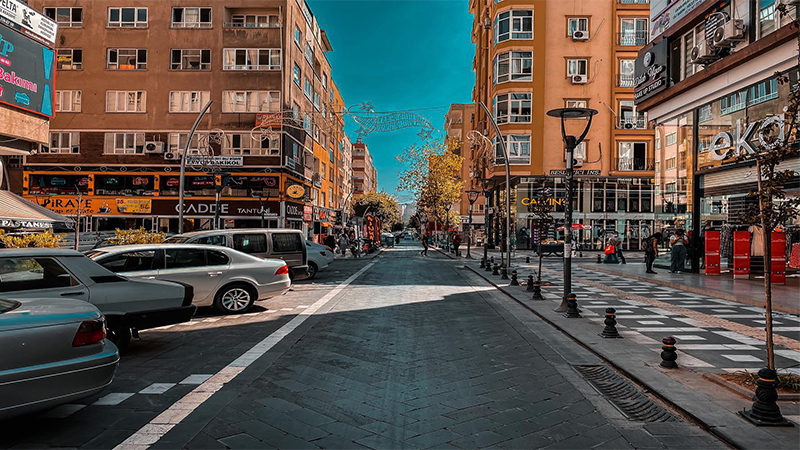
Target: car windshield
8, 305
176, 240
93, 254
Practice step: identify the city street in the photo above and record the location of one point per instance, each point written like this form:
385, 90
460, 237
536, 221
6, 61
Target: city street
399, 351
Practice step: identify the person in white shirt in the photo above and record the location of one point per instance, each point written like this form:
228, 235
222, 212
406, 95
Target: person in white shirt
678, 241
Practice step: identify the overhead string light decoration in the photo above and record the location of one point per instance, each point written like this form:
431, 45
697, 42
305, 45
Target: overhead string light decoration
370, 121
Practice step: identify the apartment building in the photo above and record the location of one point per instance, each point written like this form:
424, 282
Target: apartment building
132, 79
709, 80
365, 176
457, 127
537, 55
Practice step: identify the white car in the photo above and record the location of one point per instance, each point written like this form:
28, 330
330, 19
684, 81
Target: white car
319, 257
222, 277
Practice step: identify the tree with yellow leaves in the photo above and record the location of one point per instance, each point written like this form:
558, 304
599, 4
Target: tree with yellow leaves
137, 236
47, 239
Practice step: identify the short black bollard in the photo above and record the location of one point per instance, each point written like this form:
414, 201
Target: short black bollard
669, 353
765, 410
483, 263
610, 330
530, 284
489, 263
537, 291
514, 280
527, 260
496, 269
599, 260
572, 307
503, 272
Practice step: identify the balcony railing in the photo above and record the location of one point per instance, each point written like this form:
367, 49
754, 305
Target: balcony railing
251, 25
633, 164
639, 122
632, 39
625, 80
633, 2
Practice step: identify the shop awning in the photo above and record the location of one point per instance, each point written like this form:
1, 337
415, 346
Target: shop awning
16, 212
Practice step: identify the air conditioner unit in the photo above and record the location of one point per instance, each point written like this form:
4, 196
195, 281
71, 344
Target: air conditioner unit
729, 34
703, 54
580, 79
577, 162
172, 156
628, 125
792, 2
154, 147
579, 35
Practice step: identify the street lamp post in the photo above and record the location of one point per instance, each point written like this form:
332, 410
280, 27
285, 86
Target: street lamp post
570, 142
472, 196
182, 182
508, 180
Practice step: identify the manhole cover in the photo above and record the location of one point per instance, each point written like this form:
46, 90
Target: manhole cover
623, 395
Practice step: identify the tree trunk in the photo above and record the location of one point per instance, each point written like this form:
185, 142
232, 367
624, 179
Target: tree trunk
767, 268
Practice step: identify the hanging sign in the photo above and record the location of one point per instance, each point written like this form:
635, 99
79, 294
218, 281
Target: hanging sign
650, 72
778, 257
741, 254
27, 21
295, 191
711, 258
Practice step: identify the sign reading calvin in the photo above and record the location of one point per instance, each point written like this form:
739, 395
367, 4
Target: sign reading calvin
650, 72
27, 72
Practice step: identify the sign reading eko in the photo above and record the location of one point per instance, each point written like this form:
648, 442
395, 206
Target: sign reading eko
27, 72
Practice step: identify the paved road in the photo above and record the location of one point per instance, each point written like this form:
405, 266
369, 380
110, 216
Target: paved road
410, 353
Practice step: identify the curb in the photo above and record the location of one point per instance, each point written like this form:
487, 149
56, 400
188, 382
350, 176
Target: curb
692, 289
744, 392
710, 416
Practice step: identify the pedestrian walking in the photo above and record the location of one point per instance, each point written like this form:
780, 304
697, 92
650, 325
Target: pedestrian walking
457, 242
611, 251
618, 247
330, 242
425, 238
678, 241
651, 251
343, 244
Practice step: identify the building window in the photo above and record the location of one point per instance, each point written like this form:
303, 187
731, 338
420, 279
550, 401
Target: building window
703, 114
66, 17
658, 141
518, 146
577, 24
309, 52
633, 32
633, 156
188, 101
69, 59
575, 104
127, 17
734, 102
243, 144
296, 75
191, 17
764, 91
126, 101
626, 73
177, 142
190, 59
68, 101
325, 81
672, 138
124, 143
514, 24
254, 21
252, 59
513, 108
307, 89
316, 100
250, 101
63, 142
768, 17
298, 36
577, 67
513, 66
671, 163
127, 59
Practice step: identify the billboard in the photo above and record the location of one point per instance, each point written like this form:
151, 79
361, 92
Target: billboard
27, 73
27, 21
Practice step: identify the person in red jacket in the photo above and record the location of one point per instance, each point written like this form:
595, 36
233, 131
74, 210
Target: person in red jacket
456, 242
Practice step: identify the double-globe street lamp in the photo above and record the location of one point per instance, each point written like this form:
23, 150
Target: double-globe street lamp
472, 197
570, 142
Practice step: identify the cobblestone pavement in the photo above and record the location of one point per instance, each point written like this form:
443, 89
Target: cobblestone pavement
416, 354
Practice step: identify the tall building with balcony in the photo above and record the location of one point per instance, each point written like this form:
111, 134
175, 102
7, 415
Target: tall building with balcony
365, 176
713, 76
537, 55
132, 79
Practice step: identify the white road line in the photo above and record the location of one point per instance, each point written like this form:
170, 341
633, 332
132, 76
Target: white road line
158, 427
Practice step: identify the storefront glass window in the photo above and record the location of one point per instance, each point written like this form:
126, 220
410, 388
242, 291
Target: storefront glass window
121, 185
58, 184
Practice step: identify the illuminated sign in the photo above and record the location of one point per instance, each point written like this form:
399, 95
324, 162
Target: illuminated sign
27, 74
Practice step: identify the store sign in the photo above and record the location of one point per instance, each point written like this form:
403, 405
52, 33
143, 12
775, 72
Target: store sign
295, 191
134, 205
526, 201
294, 211
208, 208
71, 205
273, 121
666, 13
563, 173
27, 21
650, 72
308, 213
221, 161
27, 74
21, 223
727, 145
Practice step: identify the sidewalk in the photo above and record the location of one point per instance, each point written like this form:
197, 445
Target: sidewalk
706, 343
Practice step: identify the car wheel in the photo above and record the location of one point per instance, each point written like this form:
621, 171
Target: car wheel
234, 299
119, 334
312, 270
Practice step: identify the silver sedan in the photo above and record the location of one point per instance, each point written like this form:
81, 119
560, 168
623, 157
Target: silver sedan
54, 351
222, 277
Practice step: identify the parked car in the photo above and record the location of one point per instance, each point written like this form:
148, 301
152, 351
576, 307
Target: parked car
222, 277
319, 257
54, 351
280, 243
128, 305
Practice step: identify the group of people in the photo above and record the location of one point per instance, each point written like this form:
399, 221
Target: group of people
678, 243
345, 240
455, 241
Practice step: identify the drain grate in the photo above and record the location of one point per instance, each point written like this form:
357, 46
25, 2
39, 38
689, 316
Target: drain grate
623, 395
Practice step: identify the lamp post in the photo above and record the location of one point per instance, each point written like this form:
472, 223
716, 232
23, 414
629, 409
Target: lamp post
261, 203
183, 164
508, 180
472, 196
570, 142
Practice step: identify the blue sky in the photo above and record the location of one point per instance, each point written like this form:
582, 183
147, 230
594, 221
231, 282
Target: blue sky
400, 55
